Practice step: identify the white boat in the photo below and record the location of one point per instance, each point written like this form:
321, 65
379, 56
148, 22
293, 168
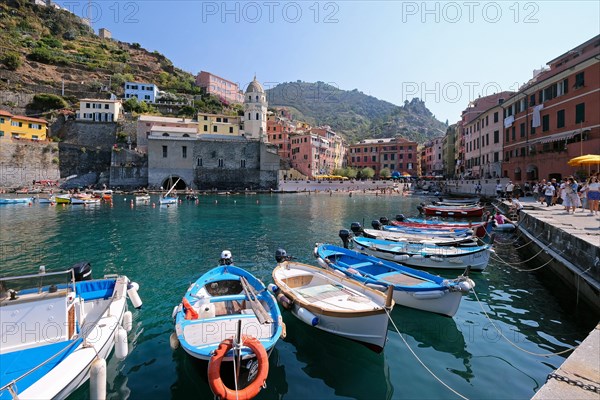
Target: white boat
426, 255
166, 199
46, 200
85, 200
332, 302
142, 198
58, 328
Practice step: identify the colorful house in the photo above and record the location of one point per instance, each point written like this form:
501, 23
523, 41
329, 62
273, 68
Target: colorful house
20, 127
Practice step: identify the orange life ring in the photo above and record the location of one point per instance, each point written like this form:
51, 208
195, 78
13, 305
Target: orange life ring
190, 313
214, 370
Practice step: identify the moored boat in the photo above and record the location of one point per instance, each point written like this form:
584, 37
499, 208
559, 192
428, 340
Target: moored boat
16, 200
63, 198
452, 211
228, 315
332, 302
58, 328
421, 255
412, 288
143, 198
424, 238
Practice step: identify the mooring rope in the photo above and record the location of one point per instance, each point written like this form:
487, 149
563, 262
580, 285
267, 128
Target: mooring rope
498, 258
420, 361
512, 343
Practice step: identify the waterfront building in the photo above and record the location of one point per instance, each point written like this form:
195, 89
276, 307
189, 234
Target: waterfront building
99, 110
482, 125
226, 90
554, 117
104, 33
459, 150
309, 154
220, 124
145, 123
142, 91
396, 154
255, 111
19, 127
207, 161
280, 129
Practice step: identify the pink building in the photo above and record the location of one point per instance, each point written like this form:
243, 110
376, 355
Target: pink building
395, 154
225, 89
482, 127
279, 131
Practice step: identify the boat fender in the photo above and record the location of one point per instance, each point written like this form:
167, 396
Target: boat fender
466, 285
284, 301
173, 341
98, 379
307, 317
340, 273
353, 271
401, 257
381, 288
214, 370
176, 309
190, 313
322, 263
437, 259
132, 292
283, 330
121, 348
273, 288
128, 321
429, 295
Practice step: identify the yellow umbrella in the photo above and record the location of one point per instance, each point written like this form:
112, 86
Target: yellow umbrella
588, 159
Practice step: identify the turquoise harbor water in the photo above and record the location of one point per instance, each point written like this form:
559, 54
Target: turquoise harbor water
164, 249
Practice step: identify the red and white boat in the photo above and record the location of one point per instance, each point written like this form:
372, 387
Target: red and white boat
453, 211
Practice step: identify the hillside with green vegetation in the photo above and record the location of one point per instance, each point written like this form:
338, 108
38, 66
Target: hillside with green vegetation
44, 49
356, 115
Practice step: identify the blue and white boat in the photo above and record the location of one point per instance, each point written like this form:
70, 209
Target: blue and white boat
58, 328
167, 198
16, 200
412, 288
213, 305
425, 255
430, 232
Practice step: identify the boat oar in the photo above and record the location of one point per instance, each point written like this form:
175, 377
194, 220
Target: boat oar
261, 314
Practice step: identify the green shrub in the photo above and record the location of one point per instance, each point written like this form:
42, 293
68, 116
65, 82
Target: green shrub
51, 42
47, 102
43, 55
12, 61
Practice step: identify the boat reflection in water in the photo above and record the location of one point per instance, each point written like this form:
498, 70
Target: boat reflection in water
440, 334
319, 353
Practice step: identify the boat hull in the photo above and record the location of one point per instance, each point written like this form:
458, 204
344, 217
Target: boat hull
366, 324
412, 288
20, 200
103, 316
453, 211
477, 261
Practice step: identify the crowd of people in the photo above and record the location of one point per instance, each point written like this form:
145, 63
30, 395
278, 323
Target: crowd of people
569, 193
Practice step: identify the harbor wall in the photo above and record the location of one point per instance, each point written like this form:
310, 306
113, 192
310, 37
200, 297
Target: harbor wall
23, 161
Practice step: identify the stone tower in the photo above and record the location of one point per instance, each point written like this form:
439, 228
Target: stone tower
255, 111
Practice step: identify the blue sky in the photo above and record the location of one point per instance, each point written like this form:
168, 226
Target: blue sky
446, 53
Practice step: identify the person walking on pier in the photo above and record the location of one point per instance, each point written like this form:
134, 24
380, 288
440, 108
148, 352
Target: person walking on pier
549, 191
593, 195
509, 189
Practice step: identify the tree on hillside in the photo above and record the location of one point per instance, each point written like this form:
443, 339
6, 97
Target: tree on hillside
47, 102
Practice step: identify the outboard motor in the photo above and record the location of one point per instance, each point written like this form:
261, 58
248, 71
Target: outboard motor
400, 217
376, 225
281, 256
420, 208
344, 234
356, 228
82, 271
384, 220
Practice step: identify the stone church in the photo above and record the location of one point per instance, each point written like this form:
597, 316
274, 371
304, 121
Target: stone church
212, 161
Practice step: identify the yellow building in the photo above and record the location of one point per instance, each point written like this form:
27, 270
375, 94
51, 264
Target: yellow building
219, 124
21, 127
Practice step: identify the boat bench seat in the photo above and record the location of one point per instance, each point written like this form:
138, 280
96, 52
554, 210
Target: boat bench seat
356, 266
95, 290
